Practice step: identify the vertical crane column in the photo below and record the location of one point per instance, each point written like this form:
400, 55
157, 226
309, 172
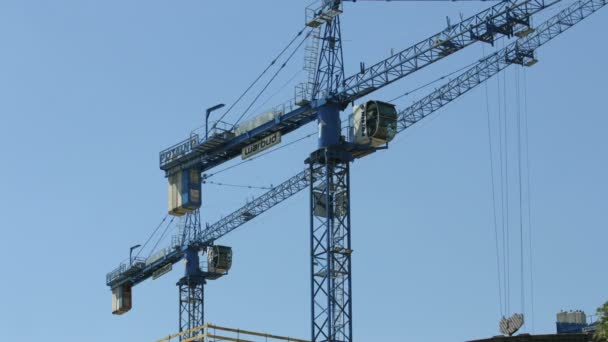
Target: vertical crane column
191, 304
191, 286
330, 245
331, 304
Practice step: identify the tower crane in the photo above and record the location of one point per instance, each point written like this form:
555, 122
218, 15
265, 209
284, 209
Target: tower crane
327, 176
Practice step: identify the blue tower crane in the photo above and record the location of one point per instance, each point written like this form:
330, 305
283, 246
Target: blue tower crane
503, 19
327, 175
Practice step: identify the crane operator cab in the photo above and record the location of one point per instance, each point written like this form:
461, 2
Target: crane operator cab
375, 123
219, 261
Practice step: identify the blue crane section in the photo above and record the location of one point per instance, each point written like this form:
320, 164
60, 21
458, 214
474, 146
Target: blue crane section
223, 143
519, 52
327, 175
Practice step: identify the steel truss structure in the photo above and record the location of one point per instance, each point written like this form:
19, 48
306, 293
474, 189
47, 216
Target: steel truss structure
257, 206
191, 305
191, 286
506, 18
330, 244
330, 70
327, 175
519, 52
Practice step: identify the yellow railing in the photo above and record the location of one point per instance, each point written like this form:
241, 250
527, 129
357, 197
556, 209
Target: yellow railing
214, 333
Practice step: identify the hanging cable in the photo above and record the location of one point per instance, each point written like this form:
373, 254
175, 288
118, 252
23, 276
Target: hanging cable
260, 76
272, 78
498, 270
239, 185
151, 235
162, 236
259, 156
440, 78
519, 179
502, 197
528, 199
507, 192
259, 108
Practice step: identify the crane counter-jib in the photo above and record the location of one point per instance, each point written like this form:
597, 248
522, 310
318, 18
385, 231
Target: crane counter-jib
136, 272
504, 18
223, 146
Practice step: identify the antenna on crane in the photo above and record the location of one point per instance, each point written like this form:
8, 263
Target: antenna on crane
207, 113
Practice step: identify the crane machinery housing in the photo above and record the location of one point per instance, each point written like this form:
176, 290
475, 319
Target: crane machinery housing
373, 124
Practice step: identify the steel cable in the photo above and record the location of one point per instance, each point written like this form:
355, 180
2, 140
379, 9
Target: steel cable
272, 78
259, 156
502, 312
151, 235
519, 179
528, 199
239, 185
260, 76
162, 236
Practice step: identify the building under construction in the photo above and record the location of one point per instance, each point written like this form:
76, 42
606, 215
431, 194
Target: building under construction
581, 337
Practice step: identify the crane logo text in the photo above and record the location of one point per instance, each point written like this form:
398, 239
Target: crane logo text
178, 150
261, 145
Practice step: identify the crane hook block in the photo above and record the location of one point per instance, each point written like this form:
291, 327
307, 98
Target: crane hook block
184, 192
375, 123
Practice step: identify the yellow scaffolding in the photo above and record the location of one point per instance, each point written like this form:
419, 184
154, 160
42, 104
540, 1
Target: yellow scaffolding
214, 333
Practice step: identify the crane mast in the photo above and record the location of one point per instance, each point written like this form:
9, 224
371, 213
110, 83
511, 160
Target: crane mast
331, 290
192, 284
327, 175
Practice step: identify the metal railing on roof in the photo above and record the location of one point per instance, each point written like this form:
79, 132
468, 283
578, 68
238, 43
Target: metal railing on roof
215, 333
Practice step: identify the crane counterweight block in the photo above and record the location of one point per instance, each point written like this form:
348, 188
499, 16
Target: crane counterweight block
122, 299
184, 191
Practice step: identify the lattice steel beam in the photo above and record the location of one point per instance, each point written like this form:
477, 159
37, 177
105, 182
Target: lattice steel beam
519, 52
330, 244
504, 18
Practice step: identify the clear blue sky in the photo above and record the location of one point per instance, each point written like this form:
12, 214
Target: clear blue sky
91, 91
